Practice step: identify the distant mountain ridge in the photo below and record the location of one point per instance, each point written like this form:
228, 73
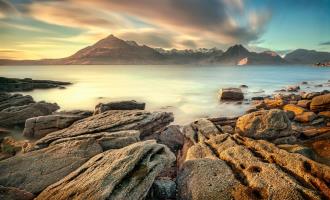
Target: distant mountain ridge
112, 50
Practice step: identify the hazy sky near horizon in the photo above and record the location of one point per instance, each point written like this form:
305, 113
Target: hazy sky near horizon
32, 29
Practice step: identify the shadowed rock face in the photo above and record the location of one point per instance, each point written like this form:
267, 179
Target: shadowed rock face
18, 114
8, 100
126, 173
11, 193
264, 124
34, 171
110, 121
251, 169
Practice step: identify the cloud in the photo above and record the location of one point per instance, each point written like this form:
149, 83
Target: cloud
325, 43
7, 9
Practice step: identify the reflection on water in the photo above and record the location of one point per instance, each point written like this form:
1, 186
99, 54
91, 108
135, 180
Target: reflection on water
188, 91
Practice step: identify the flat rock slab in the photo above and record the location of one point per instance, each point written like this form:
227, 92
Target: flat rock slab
34, 171
126, 173
18, 114
111, 121
119, 105
231, 94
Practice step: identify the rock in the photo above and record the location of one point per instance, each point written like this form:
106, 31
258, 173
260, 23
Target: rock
304, 103
321, 103
11, 193
231, 94
8, 100
10, 147
312, 131
310, 95
172, 137
294, 108
285, 140
34, 171
126, 173
287, 97
17, 115
119, 105
38, 127
319, 85
325, 114
273, 104
162, 189
305, 117
244, 168
264, 124
295, 148
112, 140
16, 85
293, 88
243, 86
110, 121
304, 83
317, 121
227, 129
290, 114
257, 98
81, 113
4, 131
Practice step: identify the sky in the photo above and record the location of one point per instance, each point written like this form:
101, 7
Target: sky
36, 29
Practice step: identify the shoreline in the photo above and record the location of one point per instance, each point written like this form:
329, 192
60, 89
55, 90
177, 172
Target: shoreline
276, 136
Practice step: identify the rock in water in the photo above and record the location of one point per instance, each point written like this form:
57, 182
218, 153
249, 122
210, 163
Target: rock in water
38, 127
320, 103
17, 115
126, 173
231, 94
110, 121
34, 171
264, 124
119, 105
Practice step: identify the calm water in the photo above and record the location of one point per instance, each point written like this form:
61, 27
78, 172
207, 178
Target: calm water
188, 91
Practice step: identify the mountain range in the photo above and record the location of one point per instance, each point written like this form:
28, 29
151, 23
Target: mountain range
112, 50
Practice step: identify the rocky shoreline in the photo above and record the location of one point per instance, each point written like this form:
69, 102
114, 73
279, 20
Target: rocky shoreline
279, 149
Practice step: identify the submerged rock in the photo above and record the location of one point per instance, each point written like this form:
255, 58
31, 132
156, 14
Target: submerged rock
34, 171
231, 94
119, 105
17, 115
264, 124
110, 121
126, 173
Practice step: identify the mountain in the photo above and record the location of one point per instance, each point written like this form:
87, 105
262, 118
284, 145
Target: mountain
239, 55
304, 56
112, 50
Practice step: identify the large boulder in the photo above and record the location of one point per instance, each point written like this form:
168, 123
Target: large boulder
38, 127
297, 110
126, 173
34, 171
320, 103
238, 167
110, 121
231, 94
305, 117
8, 100
17, 115
119, 105
264, 124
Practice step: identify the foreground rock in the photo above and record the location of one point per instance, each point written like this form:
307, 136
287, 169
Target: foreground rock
320, 103
10, 147
38, 127
110, 121
11, 193
126, 173
8, 100
34, 171
119, 105
264, 124
17, 115
236, 167
231, 94
17, 85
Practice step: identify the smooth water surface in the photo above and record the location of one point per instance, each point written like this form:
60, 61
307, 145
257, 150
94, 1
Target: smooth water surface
188, 91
